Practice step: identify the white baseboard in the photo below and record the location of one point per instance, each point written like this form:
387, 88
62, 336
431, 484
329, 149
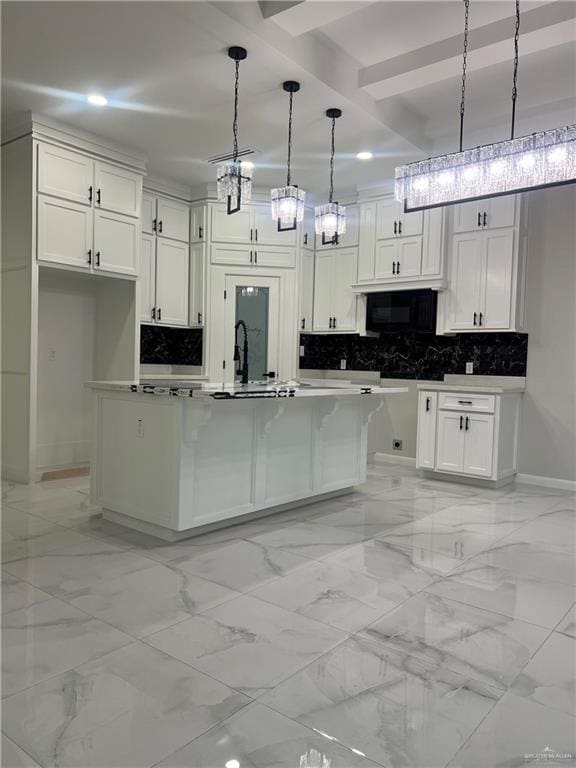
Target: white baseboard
388, 458
547, 482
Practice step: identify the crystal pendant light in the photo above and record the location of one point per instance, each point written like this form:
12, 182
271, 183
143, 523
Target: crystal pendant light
234, 183
288, 201
330, 218
314, 759
544, 159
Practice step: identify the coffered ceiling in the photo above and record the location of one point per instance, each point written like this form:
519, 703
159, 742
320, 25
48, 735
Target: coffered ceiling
392, 66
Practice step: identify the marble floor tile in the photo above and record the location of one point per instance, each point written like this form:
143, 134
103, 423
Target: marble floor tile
544, 531
505, 509
568, 624
247, 643
129, 709
496, 589
150, 600
482, 645
369, 517
60, 509
55, 539
258, 737
549, 678
398, 710
72, 569
17, 594
240, 565
446, 540
531, 559
519, 732
474, 518
14, 757
345, 599
48, 638
12, 492
311, 540
17, 523
404, 571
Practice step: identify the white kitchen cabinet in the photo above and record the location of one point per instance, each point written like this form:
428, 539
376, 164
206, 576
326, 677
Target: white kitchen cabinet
483, 283
117, 189
266, 229
391, 221
492, 213
147, 278
253, 256
426, 440
197, 284
148, 213
198, 224
233, 254
116, 243
173, 219
306, 289
307, 230
65, 232
399, 258
350, 238
65, 174
172, 264
367, 241
234, 228
335, 305
473, 435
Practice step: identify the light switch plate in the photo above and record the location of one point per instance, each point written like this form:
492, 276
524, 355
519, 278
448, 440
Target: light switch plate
343, 364
469, 367
301, 350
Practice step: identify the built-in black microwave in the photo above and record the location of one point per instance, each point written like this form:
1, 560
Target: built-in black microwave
398, 311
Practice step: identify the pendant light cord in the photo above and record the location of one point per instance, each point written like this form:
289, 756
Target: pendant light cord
464, 64
288, 175
235, 121
515, 75
332, 162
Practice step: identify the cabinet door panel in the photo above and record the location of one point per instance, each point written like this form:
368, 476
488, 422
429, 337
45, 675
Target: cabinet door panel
409, 257
148, 213
270, 256
120, 190
306, 290
450, 442
426, 441
172, 282
350, 238
198, 224
411, 224
147, 277
386, 258
479, 445
433, 249
497, 279
307, 229
64, 232
501, 211
65, 174
231, 254
466, 273
388, 214
367, 242
266, 229
468, 216
323, 290
197, 283
235, 228
344, 301
116, 243
173, 220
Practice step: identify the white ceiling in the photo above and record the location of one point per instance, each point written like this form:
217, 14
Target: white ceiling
393, 67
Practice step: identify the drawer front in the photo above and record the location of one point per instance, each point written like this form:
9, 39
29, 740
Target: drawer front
461, 401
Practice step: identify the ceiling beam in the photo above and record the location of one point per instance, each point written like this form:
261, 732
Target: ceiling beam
297, 16
543, 27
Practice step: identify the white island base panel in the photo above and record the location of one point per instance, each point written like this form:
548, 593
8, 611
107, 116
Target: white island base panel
171, 466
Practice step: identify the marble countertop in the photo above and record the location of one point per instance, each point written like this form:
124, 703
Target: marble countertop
229, 391
484, 389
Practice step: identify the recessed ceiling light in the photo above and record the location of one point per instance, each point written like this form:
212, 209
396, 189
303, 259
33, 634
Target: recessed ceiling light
97, 99
232, 764
364, 156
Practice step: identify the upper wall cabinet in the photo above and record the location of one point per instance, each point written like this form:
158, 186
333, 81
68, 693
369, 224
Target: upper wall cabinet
251, 225
335, 305
397, 248
87, 212
350, 238
307, 230
492, 213
198, 223
166, 217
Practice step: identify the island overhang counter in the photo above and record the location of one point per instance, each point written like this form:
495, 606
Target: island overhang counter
174, 459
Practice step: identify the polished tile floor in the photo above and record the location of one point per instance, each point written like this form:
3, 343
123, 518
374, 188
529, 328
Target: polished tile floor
411, 624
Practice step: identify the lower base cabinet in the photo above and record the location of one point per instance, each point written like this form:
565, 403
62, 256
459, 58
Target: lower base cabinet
473, 435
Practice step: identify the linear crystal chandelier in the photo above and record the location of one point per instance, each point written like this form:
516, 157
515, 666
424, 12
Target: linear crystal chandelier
234, 182
288, 202
330, 218
539, 160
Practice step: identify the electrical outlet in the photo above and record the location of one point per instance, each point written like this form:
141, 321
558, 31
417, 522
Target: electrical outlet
301, 350
396, 444
469, 367
343, 364
51, 354
140, 428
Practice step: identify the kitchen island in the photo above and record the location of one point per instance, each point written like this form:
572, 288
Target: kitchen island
175, 458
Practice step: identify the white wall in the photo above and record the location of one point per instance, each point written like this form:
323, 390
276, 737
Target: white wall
548, 426
67, 310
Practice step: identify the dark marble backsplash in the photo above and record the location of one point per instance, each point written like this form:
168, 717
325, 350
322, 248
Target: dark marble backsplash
419, 355
170, 346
